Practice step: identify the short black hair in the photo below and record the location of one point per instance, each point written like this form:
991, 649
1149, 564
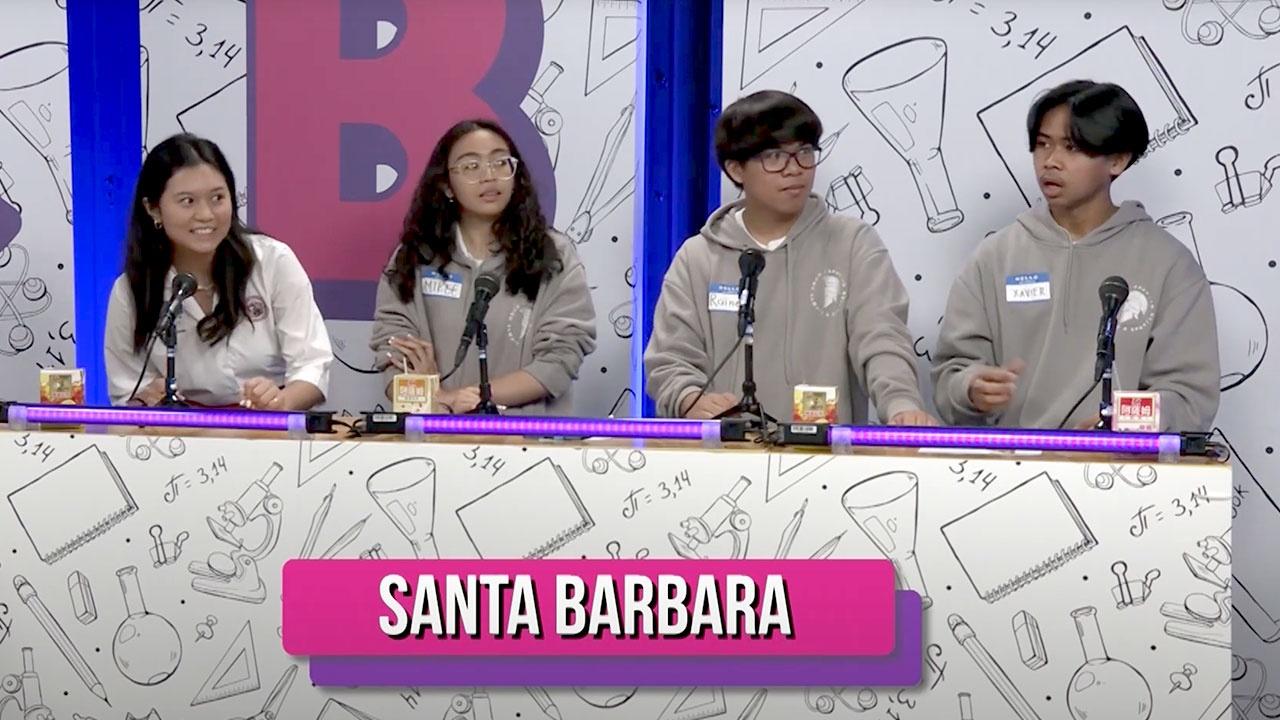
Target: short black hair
762, 121
1105, 119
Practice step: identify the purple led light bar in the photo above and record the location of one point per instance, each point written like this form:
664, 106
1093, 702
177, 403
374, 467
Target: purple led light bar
700, 430
1008, 439
156, 417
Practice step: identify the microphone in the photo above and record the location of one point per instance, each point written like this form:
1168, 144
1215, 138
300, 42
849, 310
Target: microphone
184, 286
1112, 292
486, 288
750, 264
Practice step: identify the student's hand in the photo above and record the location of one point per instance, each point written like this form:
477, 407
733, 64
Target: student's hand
1089, 423
914, 417
418, 353
151, 393
459, 401
261, 394
710, 405
992, 388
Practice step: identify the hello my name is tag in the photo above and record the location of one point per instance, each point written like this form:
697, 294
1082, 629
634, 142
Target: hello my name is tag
1027, 287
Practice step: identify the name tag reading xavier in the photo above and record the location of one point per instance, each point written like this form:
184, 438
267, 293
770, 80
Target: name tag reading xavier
437, 284
1027, 287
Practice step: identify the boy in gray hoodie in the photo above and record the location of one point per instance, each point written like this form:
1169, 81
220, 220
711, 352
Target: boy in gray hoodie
831, 310
1018, 339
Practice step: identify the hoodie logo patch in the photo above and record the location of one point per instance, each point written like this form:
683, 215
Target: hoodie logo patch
828, 292
518, 323
1136, 314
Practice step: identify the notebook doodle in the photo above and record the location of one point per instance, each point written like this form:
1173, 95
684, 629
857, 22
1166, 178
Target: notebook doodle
499, 524
72, 504
1018, 537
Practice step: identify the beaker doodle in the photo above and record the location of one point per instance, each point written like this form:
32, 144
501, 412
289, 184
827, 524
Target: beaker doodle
1215, 15
1243, 337
33, 98
722, 518
21, 298
1243, 190
406, 492
901, 91
884, 507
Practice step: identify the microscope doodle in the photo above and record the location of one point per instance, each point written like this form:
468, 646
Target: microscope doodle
723, 517
23, 691
253, 515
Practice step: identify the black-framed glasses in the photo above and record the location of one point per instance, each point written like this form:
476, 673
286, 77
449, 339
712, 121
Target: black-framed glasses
775, 160
474, 171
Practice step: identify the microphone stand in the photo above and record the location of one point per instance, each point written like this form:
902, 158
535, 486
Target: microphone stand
1105, 406
486, 406
749, 407
170, 336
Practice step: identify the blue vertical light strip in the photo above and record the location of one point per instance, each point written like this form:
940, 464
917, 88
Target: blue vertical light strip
678, 76
106, 142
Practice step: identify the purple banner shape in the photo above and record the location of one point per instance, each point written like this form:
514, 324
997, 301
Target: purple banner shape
901, 668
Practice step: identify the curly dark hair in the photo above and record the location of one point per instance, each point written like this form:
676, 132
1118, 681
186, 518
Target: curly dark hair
428, 236
149, 252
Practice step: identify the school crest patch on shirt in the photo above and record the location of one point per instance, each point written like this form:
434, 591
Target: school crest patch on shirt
255, 307
828, 292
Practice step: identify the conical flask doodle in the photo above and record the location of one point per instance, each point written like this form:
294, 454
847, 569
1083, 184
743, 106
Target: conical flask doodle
406, 492
1242, 334
34, 94
1104, 687
901, 91
884, 507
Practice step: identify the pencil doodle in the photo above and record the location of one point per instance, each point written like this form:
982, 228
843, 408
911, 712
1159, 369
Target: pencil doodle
901, 91
774, 30
1261, 19
612, 40
146, 648
74, 657
992, 669
235, 673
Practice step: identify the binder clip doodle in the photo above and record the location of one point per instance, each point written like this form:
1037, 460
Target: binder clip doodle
166, 552
1131, 593
72, 504
722, 518
251, 525
1243, 190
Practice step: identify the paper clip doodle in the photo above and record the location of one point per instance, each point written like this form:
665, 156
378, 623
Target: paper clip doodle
21, 298
1212, 31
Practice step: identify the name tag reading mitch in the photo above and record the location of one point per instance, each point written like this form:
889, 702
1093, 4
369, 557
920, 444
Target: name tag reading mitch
436, 284
722, 297
1027, 287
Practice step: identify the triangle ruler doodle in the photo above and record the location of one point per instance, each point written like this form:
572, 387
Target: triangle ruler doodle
235, 674
612, 49
337, 710
316, 456
786, 470
695, 703
775, 29
153, 715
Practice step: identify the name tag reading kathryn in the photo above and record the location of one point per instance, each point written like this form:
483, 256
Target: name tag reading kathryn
722, 297
436, 284
1027, 287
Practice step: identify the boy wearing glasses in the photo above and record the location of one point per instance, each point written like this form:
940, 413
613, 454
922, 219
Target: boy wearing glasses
830, 308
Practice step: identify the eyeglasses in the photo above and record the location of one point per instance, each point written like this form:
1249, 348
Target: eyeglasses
474, 171
775, 160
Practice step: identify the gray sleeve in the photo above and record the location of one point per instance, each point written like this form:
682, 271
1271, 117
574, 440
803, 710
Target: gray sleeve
676, 360
566, 329
965, 342
391, 317
1182, 361
880, 347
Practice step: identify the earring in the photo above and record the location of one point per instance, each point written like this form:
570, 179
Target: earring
158, 223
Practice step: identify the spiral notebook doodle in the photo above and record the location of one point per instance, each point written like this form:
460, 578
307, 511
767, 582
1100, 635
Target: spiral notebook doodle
72, 504
1121, 58
529, 516
1018, 537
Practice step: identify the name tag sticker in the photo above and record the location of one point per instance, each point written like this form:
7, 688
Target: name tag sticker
436, 284
1027, 287
722, 297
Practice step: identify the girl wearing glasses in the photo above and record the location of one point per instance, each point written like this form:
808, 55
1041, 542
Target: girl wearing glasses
475, 212
831, 310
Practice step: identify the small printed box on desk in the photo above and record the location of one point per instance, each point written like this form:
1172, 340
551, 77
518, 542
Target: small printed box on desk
62, 387
413, 393
814, 404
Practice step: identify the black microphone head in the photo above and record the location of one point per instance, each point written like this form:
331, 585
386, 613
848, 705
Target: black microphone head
487, 284
1113, 291
751, 262
184, 285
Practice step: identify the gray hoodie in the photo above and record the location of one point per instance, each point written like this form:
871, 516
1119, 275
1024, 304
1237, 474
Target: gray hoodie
548, 338
1166, 339
830, 310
